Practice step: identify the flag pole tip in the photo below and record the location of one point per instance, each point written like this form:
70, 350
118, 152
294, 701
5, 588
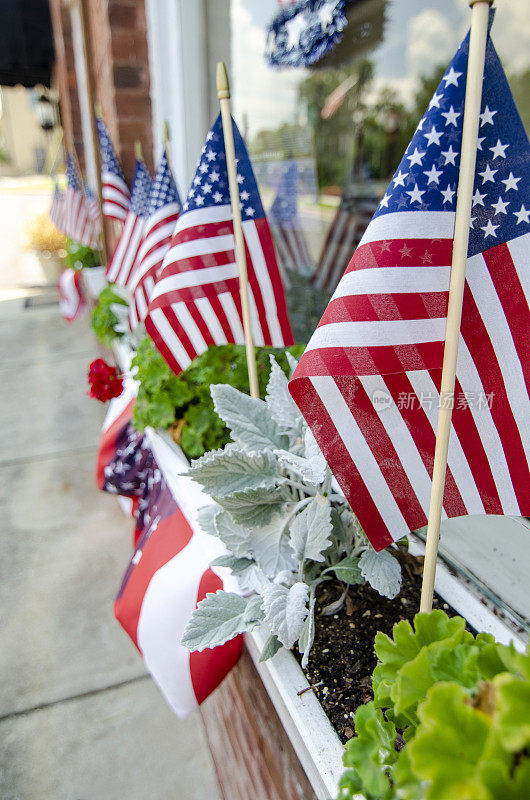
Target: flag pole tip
98, 110
223, 87
138, 150
474, 2
166, 132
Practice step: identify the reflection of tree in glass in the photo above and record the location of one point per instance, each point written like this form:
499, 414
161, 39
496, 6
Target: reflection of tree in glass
520, 86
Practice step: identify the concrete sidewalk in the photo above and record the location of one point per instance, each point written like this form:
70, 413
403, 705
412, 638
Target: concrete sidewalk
79, 717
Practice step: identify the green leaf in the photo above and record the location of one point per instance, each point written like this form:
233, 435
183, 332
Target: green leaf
228, 471
450, 744
382, 571
371, 753
253, 507
311, 529
307, 634
269, 546
235, 537
513, 709
232, 562
348, 571
270, 648
281, 405
206, 518
248, 418
285, 610
217, 619
459, 664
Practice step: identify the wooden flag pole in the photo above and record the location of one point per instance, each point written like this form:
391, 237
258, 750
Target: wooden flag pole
138, 152
466, 179
223, 93
166, 138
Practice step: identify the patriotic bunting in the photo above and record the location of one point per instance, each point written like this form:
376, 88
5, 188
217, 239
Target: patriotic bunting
196, 300
368, 383
121, 264
115, 192
162, 214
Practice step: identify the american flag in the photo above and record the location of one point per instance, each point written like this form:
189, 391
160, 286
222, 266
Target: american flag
72, 300
196, 301
368, 382
115, 192
286, 228
123, 259
57, 209
78, 225
346, 231
162, 214
94, 217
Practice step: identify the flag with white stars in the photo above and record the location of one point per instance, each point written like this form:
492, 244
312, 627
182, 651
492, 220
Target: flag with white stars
121, 265
115, 192
162, 215
288, 235
369, 381
196, 300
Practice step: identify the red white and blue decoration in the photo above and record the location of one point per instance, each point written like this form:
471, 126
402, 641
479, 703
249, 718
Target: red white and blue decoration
286, 226
115, 192
72, 299
196, 301
369, 381
302, 33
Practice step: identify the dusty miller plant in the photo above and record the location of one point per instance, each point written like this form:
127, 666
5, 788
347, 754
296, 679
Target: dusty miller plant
285, 524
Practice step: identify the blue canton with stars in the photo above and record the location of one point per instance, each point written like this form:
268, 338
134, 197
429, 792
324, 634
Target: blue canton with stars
141, 190
426, 179
209, 187
108, 156
164, 189
71, 174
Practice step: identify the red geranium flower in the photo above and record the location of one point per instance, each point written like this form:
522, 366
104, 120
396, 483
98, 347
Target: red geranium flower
104, 381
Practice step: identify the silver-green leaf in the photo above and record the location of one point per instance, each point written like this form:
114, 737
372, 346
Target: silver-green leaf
281, 405
248, 418
285, 610
253, 507
206, 518
307, 635
270, 648
348, 571
311, 529
233, 536
382, 571
224, 472
217, 619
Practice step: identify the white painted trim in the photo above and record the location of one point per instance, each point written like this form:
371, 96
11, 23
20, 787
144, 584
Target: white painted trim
82, 91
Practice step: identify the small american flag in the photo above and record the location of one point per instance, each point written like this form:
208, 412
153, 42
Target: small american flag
94, 217
289, 239
78, 225
115, 192
162, 214
369, 380
57, 209
121, 264
196, 301
346, 231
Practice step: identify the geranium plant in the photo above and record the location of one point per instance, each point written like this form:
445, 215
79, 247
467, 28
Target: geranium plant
183, 402
450, 718
287, 527
106, 316
104, 381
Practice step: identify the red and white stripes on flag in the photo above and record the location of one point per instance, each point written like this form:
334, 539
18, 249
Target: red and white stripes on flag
161, 218
122, 262
57, 209
72, 302
168, 575
196, 300
115, 192
369, 381
345, 233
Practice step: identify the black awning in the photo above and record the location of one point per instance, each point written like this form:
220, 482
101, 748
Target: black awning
26, 44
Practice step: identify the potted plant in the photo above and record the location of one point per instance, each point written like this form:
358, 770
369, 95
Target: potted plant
108, 316
449, 719
49, 246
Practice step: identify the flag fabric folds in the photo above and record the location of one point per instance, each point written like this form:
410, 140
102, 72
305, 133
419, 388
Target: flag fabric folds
196, 300
167, 576
115, 192
162, 214
72, 299
57, 208
287, 233
368, 383
77, 223
122, 262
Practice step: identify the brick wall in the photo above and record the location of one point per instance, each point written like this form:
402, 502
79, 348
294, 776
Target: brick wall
118, 62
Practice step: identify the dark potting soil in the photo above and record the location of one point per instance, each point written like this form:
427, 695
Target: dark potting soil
342, 658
